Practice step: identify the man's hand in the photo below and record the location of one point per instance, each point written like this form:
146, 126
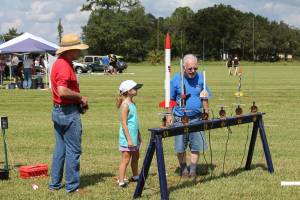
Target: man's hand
84, 101
169, 120
84, 104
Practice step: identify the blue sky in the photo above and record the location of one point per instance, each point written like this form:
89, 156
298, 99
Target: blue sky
41, 17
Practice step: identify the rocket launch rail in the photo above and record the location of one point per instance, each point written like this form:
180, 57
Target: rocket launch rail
158, 133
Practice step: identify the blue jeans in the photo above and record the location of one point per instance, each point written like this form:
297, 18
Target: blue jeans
27, 78
195, 140
68, 130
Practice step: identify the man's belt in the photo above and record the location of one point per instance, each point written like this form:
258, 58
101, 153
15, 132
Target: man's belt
64, 105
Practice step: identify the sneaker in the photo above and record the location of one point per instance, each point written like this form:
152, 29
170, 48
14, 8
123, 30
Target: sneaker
125, 180
184, 173
123, 184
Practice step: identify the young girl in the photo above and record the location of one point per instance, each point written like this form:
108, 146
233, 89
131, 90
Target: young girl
129, 135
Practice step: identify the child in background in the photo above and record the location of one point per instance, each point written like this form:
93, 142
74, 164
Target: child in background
129, 134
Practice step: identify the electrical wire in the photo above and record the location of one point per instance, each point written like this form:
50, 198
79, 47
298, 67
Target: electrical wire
210, 148
203, 146
245, 146
211, 156
226, 147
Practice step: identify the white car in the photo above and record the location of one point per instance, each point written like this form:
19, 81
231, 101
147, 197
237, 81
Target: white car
80, 67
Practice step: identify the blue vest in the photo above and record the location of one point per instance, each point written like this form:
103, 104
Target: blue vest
133, 127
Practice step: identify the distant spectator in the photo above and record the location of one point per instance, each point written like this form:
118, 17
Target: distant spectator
113, 62
109, 69
6, 72
36, 64
14, 63
2, 69
28, 64
229, 65
19, 75
236, 64
105, 62
42, 61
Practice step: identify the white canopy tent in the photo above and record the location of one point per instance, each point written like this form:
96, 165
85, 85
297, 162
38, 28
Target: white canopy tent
28, 43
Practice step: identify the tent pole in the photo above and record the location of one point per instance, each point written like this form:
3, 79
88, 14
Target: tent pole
46, 68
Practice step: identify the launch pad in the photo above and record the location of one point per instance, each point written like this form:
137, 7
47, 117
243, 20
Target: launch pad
157, 134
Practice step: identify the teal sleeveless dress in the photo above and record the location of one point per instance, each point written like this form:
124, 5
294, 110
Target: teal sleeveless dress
133, 127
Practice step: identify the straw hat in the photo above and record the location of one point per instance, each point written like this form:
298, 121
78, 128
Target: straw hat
69, 42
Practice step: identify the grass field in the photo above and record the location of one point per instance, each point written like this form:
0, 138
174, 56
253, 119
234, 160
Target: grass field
274, 87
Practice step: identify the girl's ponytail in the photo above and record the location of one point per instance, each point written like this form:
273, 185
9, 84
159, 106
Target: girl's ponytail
120, 98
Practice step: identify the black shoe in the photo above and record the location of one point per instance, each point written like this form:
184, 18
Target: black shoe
193, 177
134, 179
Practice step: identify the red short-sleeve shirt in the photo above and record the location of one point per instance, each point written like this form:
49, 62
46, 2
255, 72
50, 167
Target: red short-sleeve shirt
62, 74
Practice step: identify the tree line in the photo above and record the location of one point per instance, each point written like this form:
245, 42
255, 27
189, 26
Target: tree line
123, 27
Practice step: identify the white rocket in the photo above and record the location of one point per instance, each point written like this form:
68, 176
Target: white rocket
204, 93
167, 70
167, 103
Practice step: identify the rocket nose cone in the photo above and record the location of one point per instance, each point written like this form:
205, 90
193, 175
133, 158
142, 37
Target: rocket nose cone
168, 41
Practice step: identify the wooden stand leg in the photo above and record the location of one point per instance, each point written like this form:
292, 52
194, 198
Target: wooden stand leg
259, 125
265, 145
161, 168
145, 169
251, 146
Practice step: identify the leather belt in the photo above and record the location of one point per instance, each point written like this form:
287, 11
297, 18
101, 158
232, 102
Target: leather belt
64, 105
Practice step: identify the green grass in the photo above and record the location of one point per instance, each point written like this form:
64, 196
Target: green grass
274, 87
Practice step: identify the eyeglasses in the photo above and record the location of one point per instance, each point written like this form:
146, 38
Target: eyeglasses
192, 68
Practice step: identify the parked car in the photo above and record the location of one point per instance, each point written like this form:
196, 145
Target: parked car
80, 67
89, 59
93, 63
121, 66
97, 66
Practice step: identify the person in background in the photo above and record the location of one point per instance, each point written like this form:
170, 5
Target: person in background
236, 64
105, 62
14, 64
27, 70
19, 75
113, 63
6, 68
229, 65
130, 137
68, 103
36, 64
2, 69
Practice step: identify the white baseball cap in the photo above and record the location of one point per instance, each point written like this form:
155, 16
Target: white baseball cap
128, 85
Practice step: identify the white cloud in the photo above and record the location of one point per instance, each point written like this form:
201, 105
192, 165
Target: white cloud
292, 19
165, 8
41, 17
78, 17
10, 24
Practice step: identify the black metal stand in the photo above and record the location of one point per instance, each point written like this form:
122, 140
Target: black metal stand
158, 133
4, 173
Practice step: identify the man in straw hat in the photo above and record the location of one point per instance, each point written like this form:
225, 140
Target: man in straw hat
67, 106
